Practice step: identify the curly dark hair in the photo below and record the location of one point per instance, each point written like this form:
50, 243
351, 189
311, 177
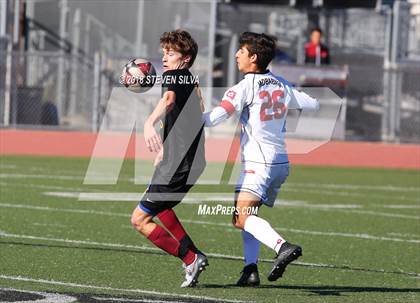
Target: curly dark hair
181, 41
262, 45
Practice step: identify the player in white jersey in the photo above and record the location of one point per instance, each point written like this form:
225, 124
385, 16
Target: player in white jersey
262, 100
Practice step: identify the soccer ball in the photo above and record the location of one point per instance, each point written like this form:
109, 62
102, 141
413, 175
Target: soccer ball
138, 75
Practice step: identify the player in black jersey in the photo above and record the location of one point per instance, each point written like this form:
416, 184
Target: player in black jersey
180, 158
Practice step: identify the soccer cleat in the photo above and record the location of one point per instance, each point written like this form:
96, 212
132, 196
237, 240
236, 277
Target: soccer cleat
288, 253
193, 270
250, 276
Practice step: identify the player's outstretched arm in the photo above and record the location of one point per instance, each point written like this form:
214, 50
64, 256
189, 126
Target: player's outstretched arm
215, 117
152, 138
233, 100
301, 100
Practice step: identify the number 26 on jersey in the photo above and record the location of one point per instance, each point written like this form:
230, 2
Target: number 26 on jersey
272, 101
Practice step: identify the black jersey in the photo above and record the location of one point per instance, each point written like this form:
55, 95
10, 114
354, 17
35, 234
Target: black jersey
182, 133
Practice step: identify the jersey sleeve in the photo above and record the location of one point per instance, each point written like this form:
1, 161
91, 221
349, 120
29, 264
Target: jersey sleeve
214, 117
233, 100
301, 100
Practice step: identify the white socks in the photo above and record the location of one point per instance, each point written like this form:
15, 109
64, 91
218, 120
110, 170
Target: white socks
251, 248
263, 232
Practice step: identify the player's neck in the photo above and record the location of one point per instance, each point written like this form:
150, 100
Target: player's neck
251, 69
255, 71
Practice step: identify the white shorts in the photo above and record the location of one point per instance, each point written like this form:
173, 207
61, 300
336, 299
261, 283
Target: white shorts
262, 180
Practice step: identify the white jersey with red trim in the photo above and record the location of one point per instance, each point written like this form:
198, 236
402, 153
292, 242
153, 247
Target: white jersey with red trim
262, 99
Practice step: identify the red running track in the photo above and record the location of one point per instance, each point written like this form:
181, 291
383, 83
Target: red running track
82, 144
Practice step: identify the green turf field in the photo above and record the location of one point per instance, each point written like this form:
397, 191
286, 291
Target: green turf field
359, 229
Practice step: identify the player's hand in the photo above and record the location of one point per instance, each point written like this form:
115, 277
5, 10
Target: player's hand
152, 138
159, 158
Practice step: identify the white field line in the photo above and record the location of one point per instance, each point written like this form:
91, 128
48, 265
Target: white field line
316, 233
345, 193
126, 290
148, 248
114, 196
380, 214
48, 225
360, 236
214, 181
39, 176
51, 171
92, 196
98, 178
403, 235
7, 166
299, 231
198, 198
40, 186
62, 176
191, 198
125, 300
397, 206
286, 188
354, 186
65, 210
93, 243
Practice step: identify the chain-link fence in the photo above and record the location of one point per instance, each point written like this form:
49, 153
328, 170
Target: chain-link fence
47, 89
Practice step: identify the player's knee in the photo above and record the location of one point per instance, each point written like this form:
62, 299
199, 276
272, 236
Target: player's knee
136, 221
235, 219
240, 222
237, 224
133, 220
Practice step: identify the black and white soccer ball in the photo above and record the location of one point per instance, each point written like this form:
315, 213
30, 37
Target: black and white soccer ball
138, 75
